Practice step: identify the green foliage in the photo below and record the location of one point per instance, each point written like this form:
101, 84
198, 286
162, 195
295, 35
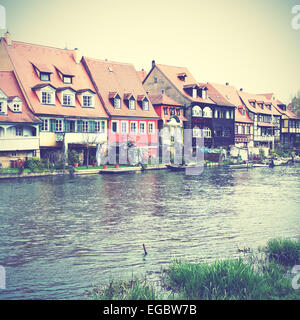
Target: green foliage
73, 157
34, 164
284, 251
262, 153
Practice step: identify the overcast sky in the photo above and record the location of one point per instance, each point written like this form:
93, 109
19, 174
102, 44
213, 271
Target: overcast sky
250, 44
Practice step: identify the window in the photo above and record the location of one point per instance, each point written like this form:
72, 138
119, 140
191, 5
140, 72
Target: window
227, 115
132, 104
44, 76
196, 132
45, 124
207, 113
117, 103
1, 108
133, 127
19, 131
197, 111
47, 97
68, 99
150, 127
236, 129
204, 94
87, 101
145, 105
58, 125
115, 126
16, 107
165, 111
85, 126
155, 80
100, 126
67, 79
194, 93
172, 111
207, 132
216, 113
142, 127
124, 126
178, 112
14, 154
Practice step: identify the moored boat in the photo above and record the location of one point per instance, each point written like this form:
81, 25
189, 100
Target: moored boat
238, 166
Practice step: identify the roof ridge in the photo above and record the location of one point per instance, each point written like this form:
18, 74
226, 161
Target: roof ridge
110, 61
40, 45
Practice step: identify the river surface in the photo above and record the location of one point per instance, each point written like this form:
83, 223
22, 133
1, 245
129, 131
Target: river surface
59, 236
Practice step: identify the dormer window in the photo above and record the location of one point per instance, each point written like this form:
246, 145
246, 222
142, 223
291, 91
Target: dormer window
181, 76
16, 107
131, 104
67, 79
204, 94
145, 105
47, 97
117, 103
68, 99
252, 103
194, 93
87, 101
44, 76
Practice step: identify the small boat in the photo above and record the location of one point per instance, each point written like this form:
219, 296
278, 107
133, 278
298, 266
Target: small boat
239, 166
278, 162
257, 165
176, 167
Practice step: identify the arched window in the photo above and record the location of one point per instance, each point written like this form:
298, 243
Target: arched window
207, 113
206, 132
197, 111
227, 114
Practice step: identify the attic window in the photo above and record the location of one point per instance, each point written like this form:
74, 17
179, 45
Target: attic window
45, 76
117, 103
17, 107
181, 76
145, 105
131, 104
110, 69
67, 79
194, 93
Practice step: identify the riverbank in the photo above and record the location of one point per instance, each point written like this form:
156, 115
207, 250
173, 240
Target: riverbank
265, 275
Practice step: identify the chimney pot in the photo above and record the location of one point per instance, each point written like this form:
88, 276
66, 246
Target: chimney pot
241, 89
227, 83
153, 63
163, 91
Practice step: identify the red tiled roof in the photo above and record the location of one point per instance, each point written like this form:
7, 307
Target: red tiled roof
142, 74
23, 55
171, 72
120, 78
215, 95
247, 97
269, 96
9, 85
289, 113
163, 99
231, 95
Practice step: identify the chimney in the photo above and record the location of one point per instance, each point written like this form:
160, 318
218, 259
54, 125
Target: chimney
241, 89
227, 83
77, 55
8, 38
153, 63
163, 91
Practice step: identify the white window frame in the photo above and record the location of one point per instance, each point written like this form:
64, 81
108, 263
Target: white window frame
19, 132
135, 131
145, 127
206, 132
152, 131
47, 97
131, 104
117, 122
117, 103
87, 101
197, 111
44, 74
144, 104
85, 126
17, 107
45, 125
194, 93
70, 99
123, 122
59, 125
69, 81
205, 113
196, 132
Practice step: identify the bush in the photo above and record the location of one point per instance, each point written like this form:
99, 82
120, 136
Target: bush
34, 164
73, 157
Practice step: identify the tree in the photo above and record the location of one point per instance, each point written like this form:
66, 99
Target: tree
296, 103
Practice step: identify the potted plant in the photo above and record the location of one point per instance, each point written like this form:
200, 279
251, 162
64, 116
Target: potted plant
73, 158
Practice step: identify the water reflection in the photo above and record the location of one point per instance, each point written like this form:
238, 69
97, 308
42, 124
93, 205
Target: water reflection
58, 235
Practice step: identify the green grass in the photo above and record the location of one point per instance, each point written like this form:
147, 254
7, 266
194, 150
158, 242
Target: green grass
261, 276
283, 251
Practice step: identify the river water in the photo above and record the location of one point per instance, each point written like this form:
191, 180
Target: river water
59, 236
